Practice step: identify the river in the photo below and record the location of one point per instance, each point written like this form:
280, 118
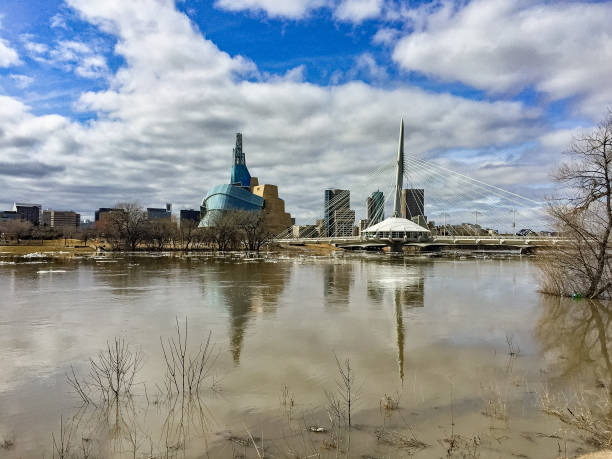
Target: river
450, 357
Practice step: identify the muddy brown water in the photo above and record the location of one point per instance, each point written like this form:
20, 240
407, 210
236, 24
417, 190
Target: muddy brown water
466, 347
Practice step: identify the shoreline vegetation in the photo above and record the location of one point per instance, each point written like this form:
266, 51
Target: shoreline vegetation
582, 212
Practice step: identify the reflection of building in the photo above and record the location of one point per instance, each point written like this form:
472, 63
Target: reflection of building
246, 289
156, 213
28, 212
337, 282
413, 202
339, 218
375, 207
189, 215
245, 193
63, 220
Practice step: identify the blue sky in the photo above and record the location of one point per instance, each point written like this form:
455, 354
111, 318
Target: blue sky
107, 101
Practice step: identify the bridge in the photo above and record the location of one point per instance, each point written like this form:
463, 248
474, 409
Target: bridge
521, 244
474, 214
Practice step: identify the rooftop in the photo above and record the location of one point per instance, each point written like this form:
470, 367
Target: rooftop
396, 224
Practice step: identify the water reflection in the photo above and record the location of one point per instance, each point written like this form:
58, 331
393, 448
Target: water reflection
406, 285
338, 279
253, 286
577, 335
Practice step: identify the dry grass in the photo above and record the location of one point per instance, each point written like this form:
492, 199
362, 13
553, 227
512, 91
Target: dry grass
72, 247
589, 413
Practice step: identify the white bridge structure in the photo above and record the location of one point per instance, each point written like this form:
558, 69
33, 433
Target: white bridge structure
521, 243
451, 196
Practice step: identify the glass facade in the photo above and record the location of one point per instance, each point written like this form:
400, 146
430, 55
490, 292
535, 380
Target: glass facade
228, 197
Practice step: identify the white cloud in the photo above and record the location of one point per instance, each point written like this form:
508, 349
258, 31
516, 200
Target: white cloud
358, 10
8, 56
366, 64
165, 126
561, 49
58, 21
386, 36
22, 81
69, 55
34, 48
291, 9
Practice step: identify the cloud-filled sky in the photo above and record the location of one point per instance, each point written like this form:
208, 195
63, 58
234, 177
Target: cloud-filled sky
104, 101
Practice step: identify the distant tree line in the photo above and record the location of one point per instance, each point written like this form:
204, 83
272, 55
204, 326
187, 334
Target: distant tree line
127, 227
22, 230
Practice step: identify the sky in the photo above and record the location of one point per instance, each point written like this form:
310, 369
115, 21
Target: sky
106, 101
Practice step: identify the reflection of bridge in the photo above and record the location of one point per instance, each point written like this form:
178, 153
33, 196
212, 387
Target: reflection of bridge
434, 242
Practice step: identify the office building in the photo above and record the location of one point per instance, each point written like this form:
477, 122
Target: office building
343, 222
28, 212
8, 215
61, 220
362, 225
156, 213
99, 214
420, 220
192, 215
375, 205
338, 204
413, 202
103, 215
304, 231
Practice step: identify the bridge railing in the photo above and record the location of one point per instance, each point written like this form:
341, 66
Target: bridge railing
435, 238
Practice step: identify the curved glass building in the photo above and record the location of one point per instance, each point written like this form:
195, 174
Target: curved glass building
244, 193
234, 196
227, 197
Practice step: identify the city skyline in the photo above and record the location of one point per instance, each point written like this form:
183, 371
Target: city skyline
91, 116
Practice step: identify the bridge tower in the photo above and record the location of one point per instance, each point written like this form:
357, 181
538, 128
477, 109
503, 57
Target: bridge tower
399, 178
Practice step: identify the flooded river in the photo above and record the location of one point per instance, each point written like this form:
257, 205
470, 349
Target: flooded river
450, 357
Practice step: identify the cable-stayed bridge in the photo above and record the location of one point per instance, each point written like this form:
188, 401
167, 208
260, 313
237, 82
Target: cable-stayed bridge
467, 212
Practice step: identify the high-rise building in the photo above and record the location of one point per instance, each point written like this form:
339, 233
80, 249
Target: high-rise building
338, 206
375, 205
28, 212
413, 202
62, 220
189, 215
299, 231
8, 215
344, 222
362, 225
154, 213
100, 213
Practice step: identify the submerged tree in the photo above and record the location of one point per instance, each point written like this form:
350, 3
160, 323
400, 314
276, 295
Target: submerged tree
584, 217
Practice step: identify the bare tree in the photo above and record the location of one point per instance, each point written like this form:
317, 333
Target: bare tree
188, 233
128, 220
19, 229
225, 230
584, 216
255, 232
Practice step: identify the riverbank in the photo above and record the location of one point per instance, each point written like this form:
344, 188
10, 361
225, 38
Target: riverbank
55, 248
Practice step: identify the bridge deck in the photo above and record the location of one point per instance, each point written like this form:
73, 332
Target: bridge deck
531, 241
